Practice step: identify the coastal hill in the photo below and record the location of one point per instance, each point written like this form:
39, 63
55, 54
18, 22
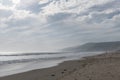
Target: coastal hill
97, 46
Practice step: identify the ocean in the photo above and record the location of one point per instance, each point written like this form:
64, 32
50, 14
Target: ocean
18, 63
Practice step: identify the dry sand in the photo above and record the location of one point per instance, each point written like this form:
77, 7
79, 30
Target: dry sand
100, 67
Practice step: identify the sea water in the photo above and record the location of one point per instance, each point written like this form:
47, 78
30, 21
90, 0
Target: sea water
18, 63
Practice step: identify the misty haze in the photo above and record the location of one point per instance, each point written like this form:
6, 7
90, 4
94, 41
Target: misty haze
59, 40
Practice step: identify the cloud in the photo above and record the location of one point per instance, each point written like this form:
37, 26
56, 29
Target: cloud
98, 17
5, 13
59, 17
6, 2
15, 1
113, 4
30, 5
48, 25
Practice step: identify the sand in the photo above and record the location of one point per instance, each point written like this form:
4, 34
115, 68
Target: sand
100, 67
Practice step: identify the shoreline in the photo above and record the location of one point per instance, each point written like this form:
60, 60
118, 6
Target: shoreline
17, 68
73, 69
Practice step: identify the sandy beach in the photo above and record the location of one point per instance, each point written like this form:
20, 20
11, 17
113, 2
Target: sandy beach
100, 67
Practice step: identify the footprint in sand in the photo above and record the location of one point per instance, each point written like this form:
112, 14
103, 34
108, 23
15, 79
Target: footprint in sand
65, 69
52, 75
62, 72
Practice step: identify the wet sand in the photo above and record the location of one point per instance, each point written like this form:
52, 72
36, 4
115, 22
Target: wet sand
100, 67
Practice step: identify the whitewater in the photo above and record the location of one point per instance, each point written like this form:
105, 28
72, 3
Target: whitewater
18, 63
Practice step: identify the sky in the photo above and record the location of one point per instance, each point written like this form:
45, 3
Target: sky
51, 25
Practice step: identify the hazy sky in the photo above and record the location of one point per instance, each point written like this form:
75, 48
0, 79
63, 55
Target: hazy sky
48, 25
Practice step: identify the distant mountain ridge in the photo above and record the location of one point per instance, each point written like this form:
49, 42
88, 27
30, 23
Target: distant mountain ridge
97, 46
